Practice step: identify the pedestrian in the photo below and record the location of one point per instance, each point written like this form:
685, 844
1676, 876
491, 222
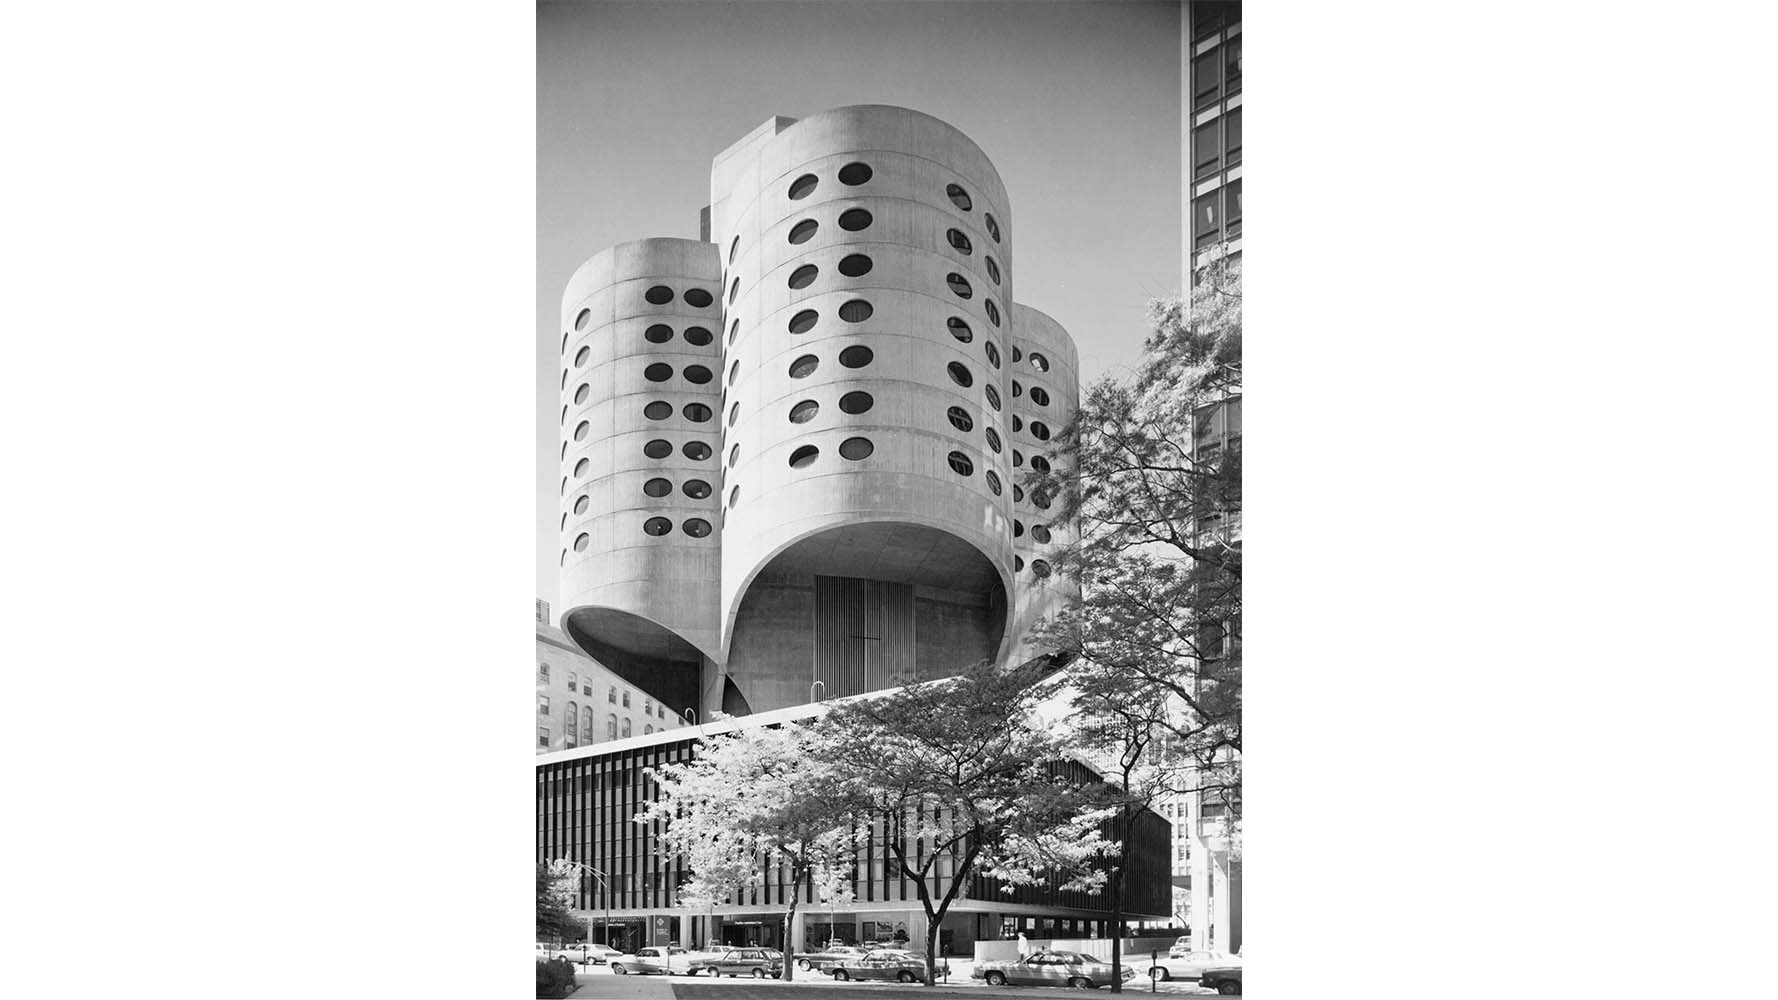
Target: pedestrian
1024, 945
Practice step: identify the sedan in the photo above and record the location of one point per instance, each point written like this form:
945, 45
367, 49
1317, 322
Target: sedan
1224, 979
1190, 965
731, 962
1050, 968
901, 966
664, 961
824, 960
597, 954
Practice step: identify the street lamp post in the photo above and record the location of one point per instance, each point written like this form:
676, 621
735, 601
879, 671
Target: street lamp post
604, 890
817, 684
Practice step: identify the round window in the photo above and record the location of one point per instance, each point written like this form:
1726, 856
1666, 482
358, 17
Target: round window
732, 247
1039, 568
734, 289
1018, 526
697, 413
960, 329
734, 496
1040, 430
804, 276
993, 482
856, 311
993, 227
1040, 533
993, 269
801, 232
580, 503
960, 419
581, 392
697, 489
804, 321
657, 487
854, 174
856, 356
657, 526
734, 372
1018, 389
856, 402
659, 295
581, 320
581, 466
1018, 563
804, 366
658, 372
698, 298
696, 527
581, 429
855, 265
993, 395
992, 310
804, 411
658, 448
1040, 464
1039, 396
1039, 362
581, 356
960, 375
804, 457
659, 333
959, 197
960, 463
580, 542
734, 455
1018, 458
993, 439
698, 374
697, 336
959, 286
803, 186
697, 451
854, 219
733, 329
658, 410
856, 449
992, 352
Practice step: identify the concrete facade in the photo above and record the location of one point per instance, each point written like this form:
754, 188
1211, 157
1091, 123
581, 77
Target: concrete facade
580, 702
807, 483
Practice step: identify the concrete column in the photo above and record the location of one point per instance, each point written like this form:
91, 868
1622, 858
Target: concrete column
1219, 871
795, 943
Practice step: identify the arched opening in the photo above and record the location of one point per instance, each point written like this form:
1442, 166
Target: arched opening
654, 658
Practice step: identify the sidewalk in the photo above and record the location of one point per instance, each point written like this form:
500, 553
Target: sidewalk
599, 984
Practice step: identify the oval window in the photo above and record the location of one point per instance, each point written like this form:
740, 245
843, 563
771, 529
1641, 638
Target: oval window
581, 355
580, 542
581, 466
854, 174
698, 298
960, 419
804, 321
1039, 362
733, 455
580, 503
1039, 568
856, 311
1041, 499
959, 285
804, 411
658, 410
658, 448
856, 449
657, 526
856, 356
803, 186
734, 372
992, 310
659, 333
658, 372
959, 241
696, 527
993, 395
697, 451
993, 482
697, 336
733, 329
993, 227
804, 457
734, 413
960, 463
1018, 458
1018, 526
1018, 494
1040, 397
698, 374
697, 489
856, 402
959, 197
960, 375
960, 329
993, 269
580, 430
854, 219
581, 392
1040, 533
1018, 562
659, 295
804, 366
581, 320
801, 232
804, 276
732, 247
657, 487
855, 265
1017, 424
697, 413
993, 439
734, 289
1039, 463
1018, 389
734, 496
992, 352
1040, 430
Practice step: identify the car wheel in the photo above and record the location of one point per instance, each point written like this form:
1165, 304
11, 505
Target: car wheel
1229, 988
904, 976
759, 973
803, 964
840, 975
996, 978
619, 969
1159, 974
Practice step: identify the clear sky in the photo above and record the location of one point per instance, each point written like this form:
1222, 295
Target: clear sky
1076, 104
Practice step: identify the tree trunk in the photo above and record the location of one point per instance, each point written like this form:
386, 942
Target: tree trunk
796, 890
1116, 886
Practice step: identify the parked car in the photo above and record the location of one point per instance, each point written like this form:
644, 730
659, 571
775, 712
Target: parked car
1224, 979
595, 953
731, 962
828, 958
665, 961
1182, 946
888, 963
1050, 968
1190, 965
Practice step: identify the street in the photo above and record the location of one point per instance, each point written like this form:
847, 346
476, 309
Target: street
597, 983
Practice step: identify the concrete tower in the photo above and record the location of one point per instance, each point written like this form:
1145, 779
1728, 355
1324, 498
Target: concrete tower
852, 518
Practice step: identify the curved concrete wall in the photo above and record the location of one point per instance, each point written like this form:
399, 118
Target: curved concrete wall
911, 160
622, 580
815, 223
1047, 362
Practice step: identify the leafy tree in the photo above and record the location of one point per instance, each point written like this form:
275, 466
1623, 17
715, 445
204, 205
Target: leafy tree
554, 922
1150, 473
953, 767
751, 797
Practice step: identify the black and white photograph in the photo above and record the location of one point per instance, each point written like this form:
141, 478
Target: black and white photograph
889, 614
